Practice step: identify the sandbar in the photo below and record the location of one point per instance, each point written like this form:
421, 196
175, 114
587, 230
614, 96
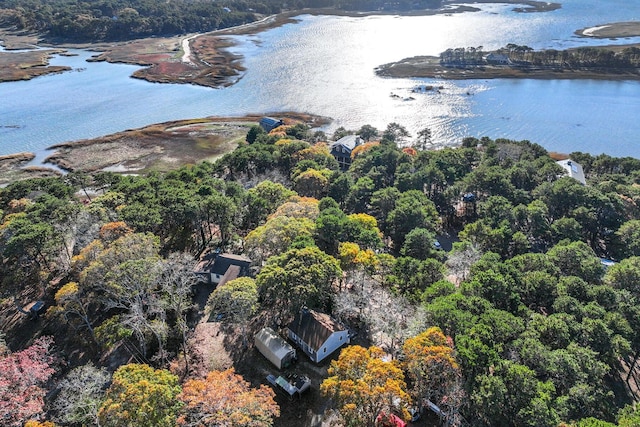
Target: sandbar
612, 31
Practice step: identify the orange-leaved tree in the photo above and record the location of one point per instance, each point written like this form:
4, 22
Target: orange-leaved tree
223, 398
363, 384
430, 363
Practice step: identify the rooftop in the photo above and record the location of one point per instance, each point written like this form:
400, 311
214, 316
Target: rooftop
314, 328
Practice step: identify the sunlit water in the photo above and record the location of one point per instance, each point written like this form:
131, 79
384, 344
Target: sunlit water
325, 65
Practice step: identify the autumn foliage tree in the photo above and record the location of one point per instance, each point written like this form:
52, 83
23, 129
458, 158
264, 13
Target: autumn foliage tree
141, 396
22, 376
430, 363
223, 398
363, 384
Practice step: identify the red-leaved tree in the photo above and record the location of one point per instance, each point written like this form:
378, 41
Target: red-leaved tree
22, 375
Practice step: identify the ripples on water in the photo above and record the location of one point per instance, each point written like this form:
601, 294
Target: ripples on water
325, 65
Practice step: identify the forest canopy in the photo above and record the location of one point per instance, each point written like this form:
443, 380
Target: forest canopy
101, 20
481, 278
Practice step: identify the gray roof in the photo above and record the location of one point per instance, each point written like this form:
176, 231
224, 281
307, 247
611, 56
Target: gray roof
349, 141
222, 263
274, 342
269, 123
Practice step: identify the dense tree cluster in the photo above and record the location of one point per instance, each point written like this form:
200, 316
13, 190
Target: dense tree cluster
128, 19
518, 323
517, 55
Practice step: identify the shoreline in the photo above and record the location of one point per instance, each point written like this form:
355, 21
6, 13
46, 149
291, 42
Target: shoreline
430, 67
163, 146
158, 147
614, 30
210, 64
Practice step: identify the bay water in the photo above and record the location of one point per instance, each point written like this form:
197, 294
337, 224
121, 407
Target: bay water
325, 65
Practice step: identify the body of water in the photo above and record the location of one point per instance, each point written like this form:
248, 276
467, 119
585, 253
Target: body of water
325, 65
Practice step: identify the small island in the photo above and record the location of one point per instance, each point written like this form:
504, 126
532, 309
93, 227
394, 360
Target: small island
514, 61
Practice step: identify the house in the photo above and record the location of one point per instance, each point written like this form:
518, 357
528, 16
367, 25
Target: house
274, 348
342, 148
574, 170
223, 268
269, 123
317, 334
497, 59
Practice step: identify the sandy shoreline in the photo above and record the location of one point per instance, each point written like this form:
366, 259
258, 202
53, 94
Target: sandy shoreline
611, 31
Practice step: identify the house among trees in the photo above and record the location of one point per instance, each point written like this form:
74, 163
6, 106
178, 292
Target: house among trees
574, 170
223, 268
269, 123
317, 334
342, 148
497, 59
274, 348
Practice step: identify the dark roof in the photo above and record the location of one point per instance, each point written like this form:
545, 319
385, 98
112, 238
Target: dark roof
348, 141
269, 123
314, 328
222, 263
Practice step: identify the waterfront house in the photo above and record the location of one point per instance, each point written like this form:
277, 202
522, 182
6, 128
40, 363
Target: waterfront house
269, 123
342, 148
317, 334
497, 59
574, 170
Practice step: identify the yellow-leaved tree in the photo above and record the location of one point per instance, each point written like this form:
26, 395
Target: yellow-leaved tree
363, 383
430, 363
141, 396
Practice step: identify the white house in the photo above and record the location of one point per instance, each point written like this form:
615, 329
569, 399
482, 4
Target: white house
317, 334
223, 268
274, 348
574, 170
497, 59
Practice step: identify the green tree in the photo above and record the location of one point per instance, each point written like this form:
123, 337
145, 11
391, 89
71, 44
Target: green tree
297, 278
254, 132
367, 132
237, 300
412, 210
512, 396
577, 259
419, 244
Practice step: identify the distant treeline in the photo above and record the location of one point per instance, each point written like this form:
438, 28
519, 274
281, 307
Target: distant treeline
127, 19
526, 56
